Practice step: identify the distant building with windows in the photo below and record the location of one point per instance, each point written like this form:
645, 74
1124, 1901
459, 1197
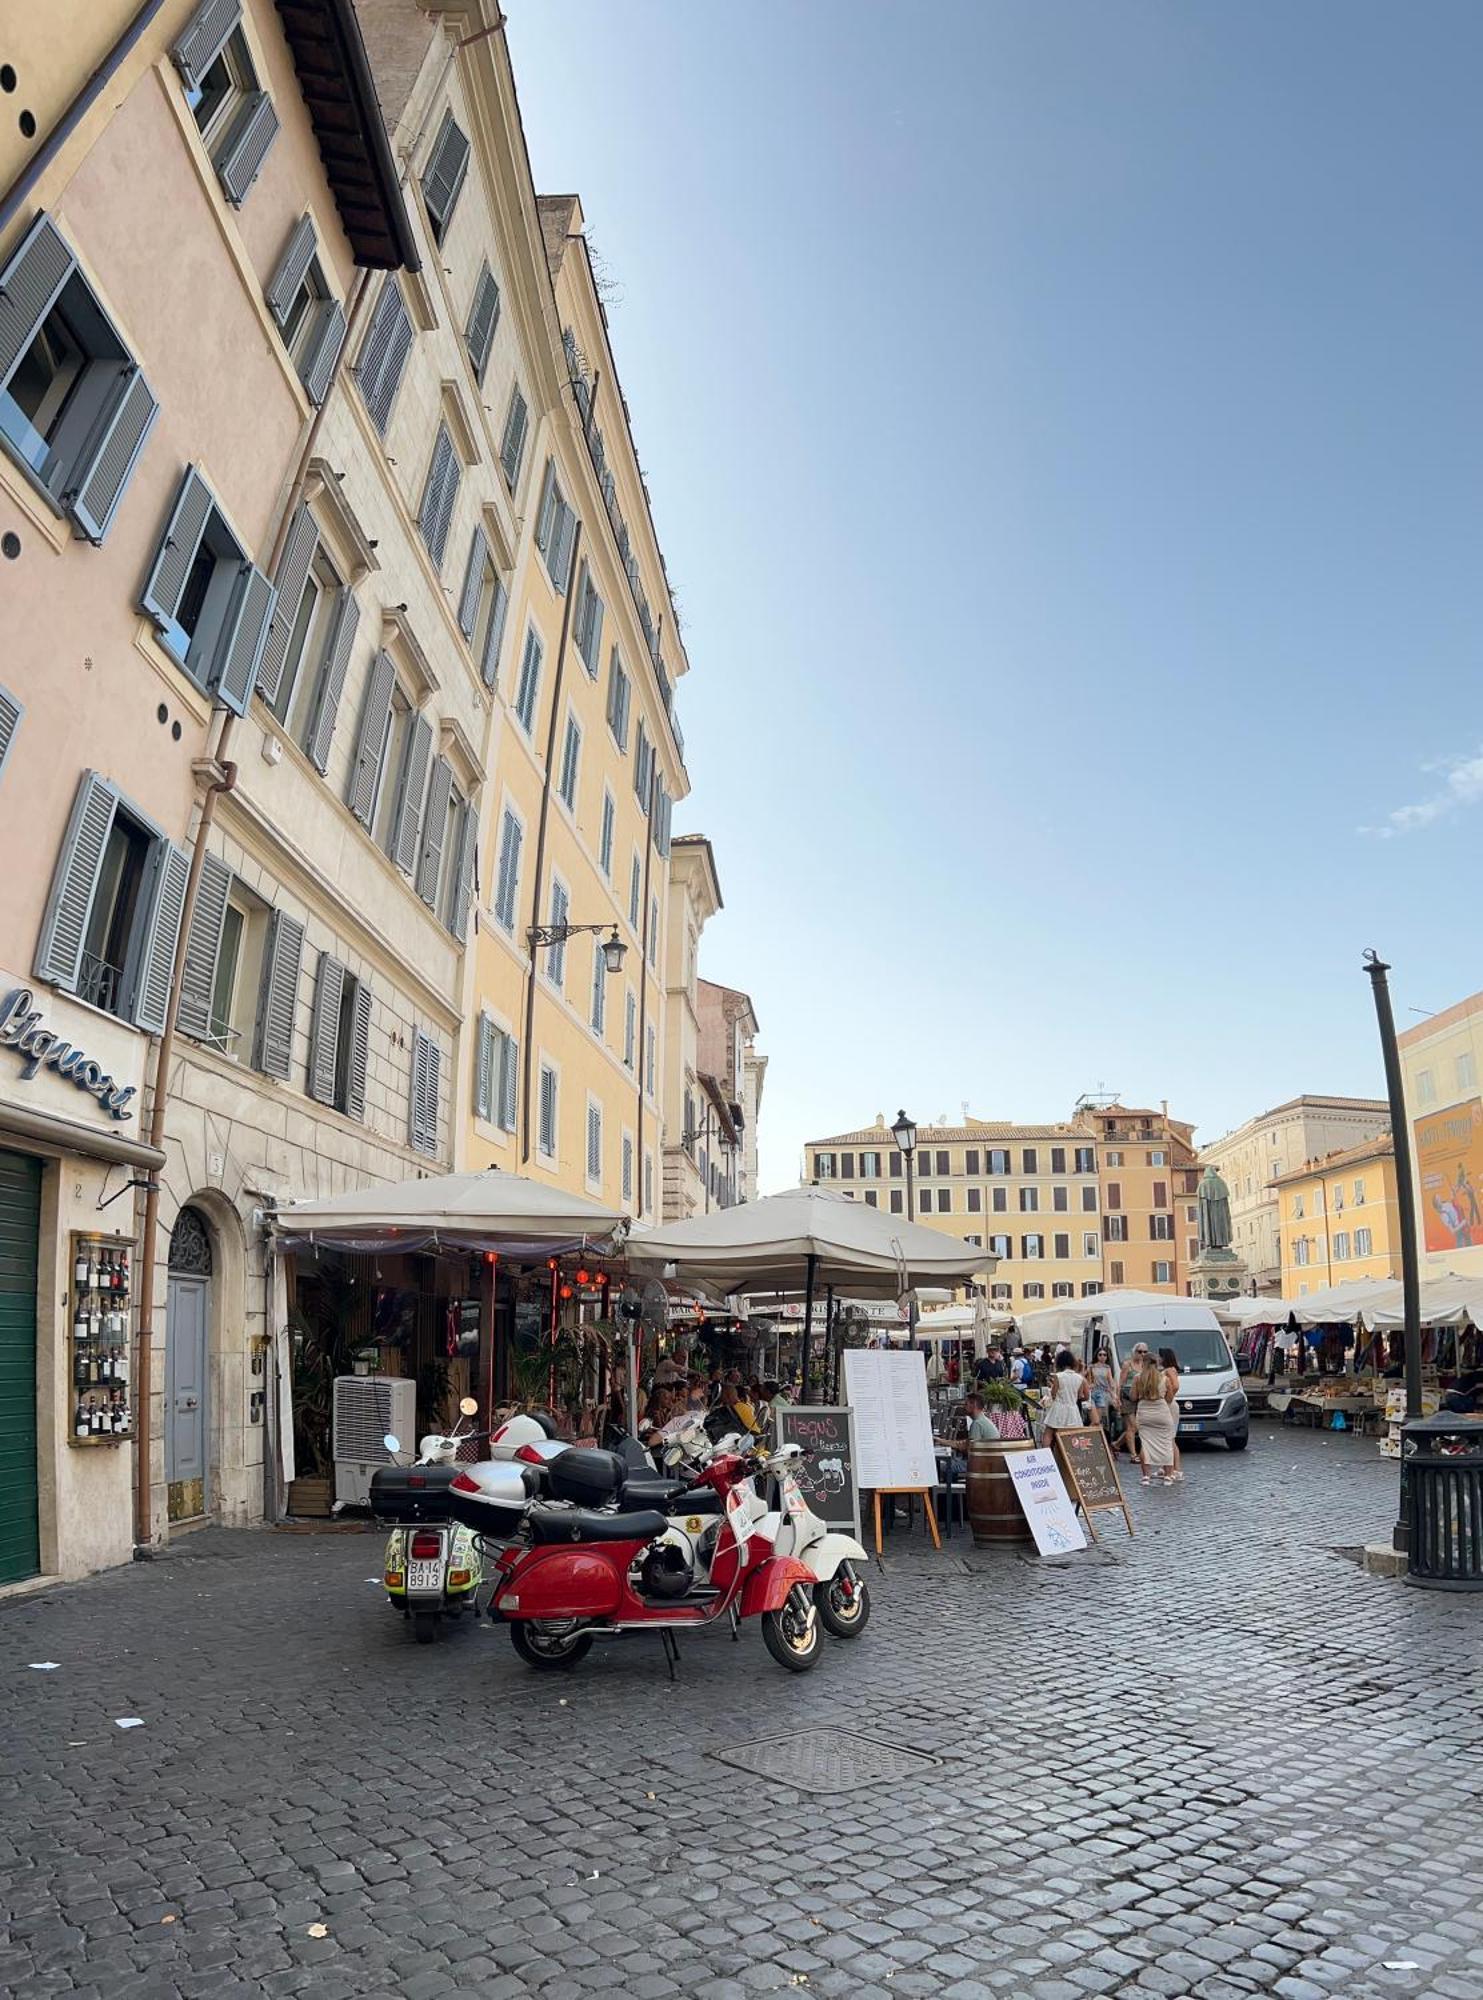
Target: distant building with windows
1067, 1210
1338, 1218
1276, 1143
1441, 1061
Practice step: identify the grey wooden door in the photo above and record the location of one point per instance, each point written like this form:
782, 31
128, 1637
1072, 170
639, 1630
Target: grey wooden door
185, 1382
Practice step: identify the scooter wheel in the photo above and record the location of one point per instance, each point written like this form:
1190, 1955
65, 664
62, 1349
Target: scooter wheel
793, 1635
843, 1612
424, 1627
553, 1648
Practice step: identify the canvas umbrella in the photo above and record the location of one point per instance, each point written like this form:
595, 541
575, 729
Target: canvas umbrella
468, 1211
806, 1238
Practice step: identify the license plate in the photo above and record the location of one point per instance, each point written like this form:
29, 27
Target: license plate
1191, 1427
425, 1577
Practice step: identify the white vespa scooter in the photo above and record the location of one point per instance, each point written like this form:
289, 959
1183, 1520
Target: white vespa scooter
432, 1569
779, 1512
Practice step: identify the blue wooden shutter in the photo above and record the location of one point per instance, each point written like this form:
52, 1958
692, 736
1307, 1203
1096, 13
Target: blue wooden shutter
293, 268
11, 712
332, 684
434, 831
323, 351
473, 583
564, 538
464, 871
409, 799
446, 167
165, 584
69, 905
299, 551
278, 995
360, 1050
204, 39
234, 671
427, 1063
483, 319
383, 354
324, 1028
241, 160
156, 966
594, 1143
484, 1069
102, 469
509, 870
438, 495
494, 635
509, 1066
370, 741
203, 946
512, 445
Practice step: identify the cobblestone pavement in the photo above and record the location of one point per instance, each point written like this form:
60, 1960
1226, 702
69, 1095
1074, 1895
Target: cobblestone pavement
1216, 1760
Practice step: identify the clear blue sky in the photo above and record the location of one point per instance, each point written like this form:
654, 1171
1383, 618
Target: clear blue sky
1065, 430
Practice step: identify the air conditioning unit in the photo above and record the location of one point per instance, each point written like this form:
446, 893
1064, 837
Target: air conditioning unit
365, 1408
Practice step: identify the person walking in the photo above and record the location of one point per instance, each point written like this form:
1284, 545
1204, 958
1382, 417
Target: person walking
1128, 1401
1069, 1389
1104, 1388
1169, 1362
1157, 1425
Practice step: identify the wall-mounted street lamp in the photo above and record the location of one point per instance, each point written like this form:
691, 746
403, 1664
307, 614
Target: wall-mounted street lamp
547, 935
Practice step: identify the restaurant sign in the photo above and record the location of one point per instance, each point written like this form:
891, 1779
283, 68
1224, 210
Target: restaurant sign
39, 1047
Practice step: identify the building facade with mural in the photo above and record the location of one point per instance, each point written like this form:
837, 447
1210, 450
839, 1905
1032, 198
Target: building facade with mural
1441, 1062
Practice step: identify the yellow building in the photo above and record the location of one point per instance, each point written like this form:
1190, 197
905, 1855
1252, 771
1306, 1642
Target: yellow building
585, 756
1338, 1218
1441, 1061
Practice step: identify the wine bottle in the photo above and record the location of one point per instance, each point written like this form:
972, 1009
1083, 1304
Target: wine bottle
80, 1421
80, 1269
82, 1328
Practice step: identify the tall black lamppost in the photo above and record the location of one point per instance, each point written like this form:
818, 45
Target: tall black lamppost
1405, 1201
904, 1132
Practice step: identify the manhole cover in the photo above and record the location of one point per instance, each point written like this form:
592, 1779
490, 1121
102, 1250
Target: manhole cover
826, 1760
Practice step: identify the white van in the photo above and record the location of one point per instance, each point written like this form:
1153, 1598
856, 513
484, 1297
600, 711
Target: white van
1212, 1402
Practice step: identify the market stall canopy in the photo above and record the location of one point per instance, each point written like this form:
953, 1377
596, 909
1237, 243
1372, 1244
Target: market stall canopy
1244, 1312
767, 1246
505, 1213
1450, 1300
1349, 1304
1055, 1326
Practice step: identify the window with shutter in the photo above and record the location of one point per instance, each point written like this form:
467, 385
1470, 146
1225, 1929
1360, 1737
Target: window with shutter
649, 1067
546, 1126
438, 495
512, 444
435, 831
74, 409
278, 996
412, 785
324, 1029
618, 698
234, 117
507, 870
66, 921
203, 947
473, 582
463, 870
571, 758
556, 955
599, 1012
643, 762
528, 689
210, 606
489, 638
484, 1068
594, 1144
447, 164
358, 1062
156, 963
427, 1062
483, 320
635, 891
605, 840
299, 551
508, 1053
383, 354
372, 739
556, 527
11, 712
343, 626
627, 1168
203, 40
630, 1030
589, 623
246, 146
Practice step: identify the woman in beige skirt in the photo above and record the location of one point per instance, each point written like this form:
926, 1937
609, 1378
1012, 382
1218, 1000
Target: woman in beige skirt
1157, 1424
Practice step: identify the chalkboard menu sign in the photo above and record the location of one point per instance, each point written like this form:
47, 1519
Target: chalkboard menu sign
1087, 1465
827, 1475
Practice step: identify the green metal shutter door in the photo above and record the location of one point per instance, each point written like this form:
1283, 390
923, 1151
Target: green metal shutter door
20, 1219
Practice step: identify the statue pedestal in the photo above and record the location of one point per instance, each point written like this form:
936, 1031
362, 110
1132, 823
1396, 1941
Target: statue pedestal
1218, 1274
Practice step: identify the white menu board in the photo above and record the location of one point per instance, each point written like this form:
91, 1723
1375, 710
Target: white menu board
887, 1390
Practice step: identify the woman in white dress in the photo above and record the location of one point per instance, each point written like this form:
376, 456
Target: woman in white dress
1069, 1390
1157, 1423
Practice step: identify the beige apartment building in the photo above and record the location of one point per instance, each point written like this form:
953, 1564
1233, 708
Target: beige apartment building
694, 898
1338, 1218
1067, 1210
730, 1060
1274, 1144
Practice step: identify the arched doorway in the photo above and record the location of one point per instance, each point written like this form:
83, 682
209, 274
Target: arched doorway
187, 1364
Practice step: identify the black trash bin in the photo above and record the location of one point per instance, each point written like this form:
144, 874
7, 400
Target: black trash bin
1442, 1466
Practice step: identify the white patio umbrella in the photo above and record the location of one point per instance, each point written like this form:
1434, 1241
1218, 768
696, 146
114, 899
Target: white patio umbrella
470, 1211
809, 1237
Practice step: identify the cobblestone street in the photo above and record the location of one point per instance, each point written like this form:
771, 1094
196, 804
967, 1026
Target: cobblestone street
1217, 1760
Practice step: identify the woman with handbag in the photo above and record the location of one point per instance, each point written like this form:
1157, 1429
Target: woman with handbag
1157, 1424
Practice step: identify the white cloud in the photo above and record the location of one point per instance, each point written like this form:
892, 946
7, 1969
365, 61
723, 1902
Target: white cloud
1461, 786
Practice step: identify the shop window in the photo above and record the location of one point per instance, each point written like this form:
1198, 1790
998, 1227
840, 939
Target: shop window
74, 408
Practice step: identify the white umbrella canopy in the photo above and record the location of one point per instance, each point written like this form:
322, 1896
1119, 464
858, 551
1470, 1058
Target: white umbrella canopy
767, 1246
471, 1211
1353, 1303
1451, 1300
1244, 1311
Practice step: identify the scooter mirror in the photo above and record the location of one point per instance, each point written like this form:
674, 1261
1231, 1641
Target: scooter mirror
392, 1441
468, 1407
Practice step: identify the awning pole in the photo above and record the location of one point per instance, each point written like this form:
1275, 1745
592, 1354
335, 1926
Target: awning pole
808, 1318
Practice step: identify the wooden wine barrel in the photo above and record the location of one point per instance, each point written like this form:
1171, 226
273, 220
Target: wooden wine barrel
994, 1514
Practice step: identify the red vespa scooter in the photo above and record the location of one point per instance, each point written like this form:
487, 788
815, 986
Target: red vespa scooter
575, 1576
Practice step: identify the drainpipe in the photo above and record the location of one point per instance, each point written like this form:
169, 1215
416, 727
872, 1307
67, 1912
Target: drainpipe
540, 862
223, 778
73, 116
641, 1051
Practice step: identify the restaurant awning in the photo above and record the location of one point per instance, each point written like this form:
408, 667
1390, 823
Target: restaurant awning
515, 1217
